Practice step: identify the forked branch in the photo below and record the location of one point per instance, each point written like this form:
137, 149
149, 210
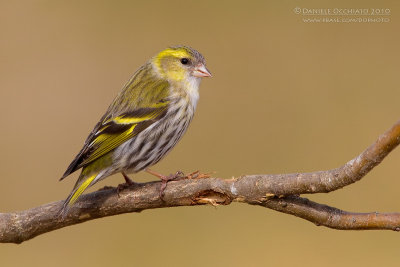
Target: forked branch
277, 191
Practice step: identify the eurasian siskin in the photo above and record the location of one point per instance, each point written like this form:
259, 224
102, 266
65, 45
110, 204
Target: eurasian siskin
145, 120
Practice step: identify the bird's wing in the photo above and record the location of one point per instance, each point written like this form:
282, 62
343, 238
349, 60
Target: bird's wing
110, 133
143, 101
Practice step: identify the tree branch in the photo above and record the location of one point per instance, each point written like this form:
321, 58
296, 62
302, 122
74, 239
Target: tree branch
277, 192
324, 215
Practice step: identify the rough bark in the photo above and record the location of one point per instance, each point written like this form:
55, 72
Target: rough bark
278, 192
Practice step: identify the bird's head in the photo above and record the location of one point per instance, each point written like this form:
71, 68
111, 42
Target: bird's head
180, 63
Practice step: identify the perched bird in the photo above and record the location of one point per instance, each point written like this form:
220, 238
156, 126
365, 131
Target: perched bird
144, 122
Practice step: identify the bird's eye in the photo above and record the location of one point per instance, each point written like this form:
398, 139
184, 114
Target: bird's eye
184, 61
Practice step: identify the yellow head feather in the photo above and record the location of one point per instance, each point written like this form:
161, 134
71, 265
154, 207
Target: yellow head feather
168, 62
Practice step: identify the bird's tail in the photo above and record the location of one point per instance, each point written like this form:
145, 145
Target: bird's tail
81, 184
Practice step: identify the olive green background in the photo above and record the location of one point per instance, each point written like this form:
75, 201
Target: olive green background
286, 96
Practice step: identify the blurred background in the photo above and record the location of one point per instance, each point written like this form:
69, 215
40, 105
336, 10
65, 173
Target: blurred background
287, 96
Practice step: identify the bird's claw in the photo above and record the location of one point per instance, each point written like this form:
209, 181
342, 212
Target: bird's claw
172, 177
179, 175
122, 187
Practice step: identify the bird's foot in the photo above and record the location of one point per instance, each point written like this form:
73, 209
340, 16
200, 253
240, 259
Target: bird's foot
165, 179
128, 183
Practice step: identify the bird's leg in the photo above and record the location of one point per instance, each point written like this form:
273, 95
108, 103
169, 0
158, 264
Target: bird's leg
165, 179
128, 183
127, 179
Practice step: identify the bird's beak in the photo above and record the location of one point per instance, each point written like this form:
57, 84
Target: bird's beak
201, 71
